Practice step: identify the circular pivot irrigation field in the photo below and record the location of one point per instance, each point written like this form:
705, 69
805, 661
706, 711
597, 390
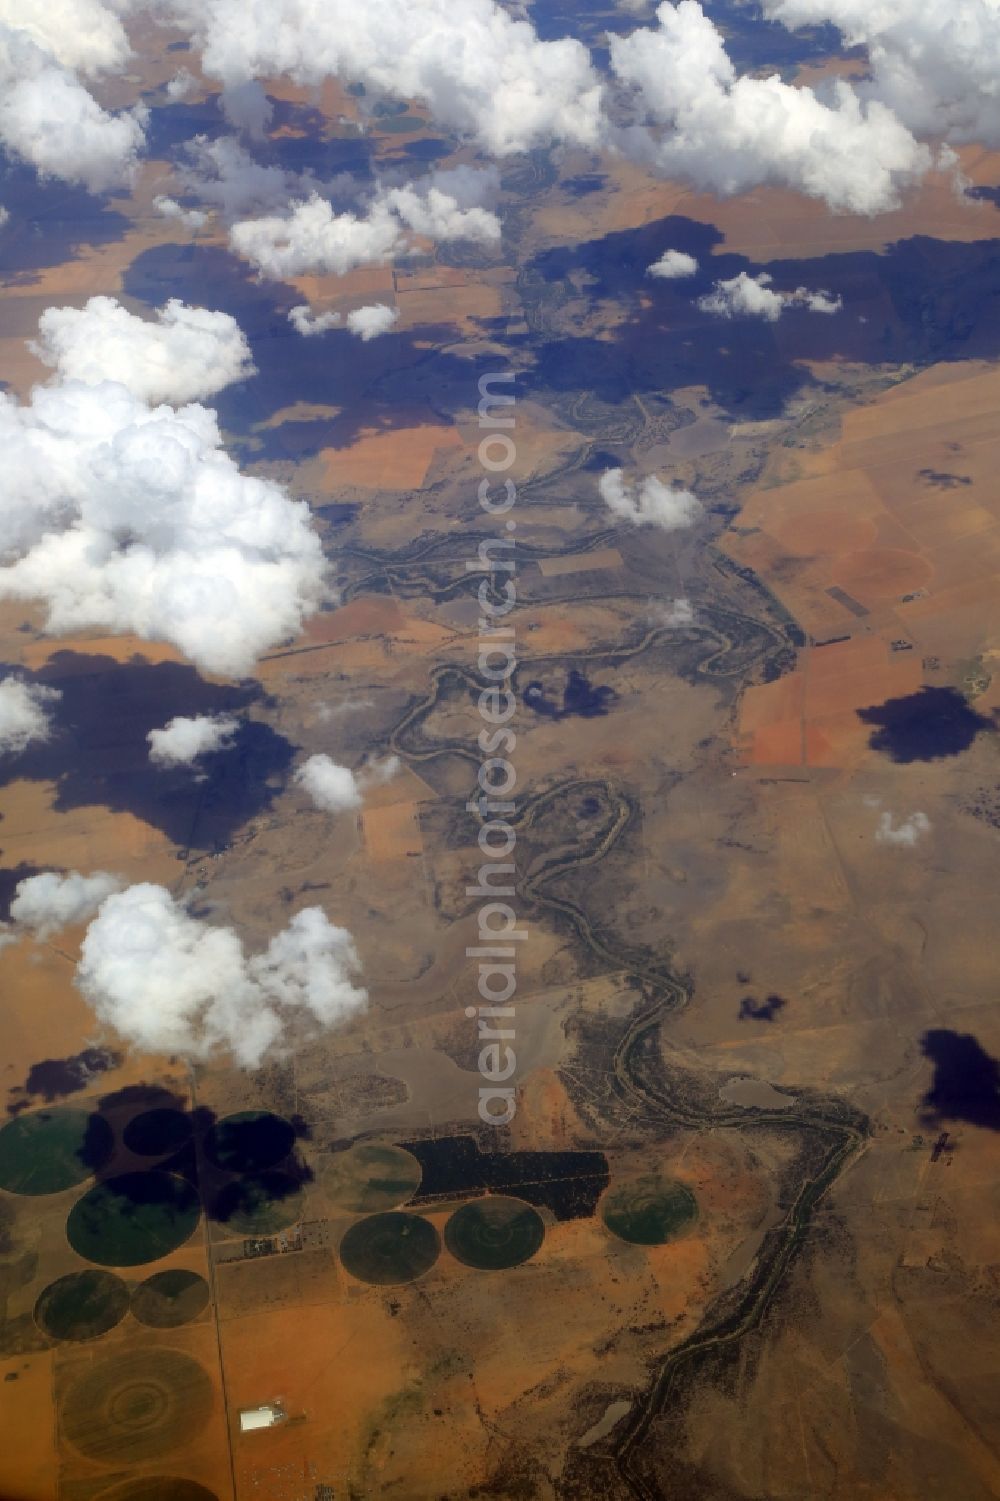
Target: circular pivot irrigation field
136, 1407
650, 1211
387, 1249
370, 1176
83, 1305
134, 1218
261, 1204
494, 1233
250, 1141
169, 1299
52, 1150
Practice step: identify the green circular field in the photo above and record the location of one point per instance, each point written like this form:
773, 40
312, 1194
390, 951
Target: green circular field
495, 1233
259, 1205
83, 1305
250, 1141
370, 1176
169, 1299
387, 1249
650, 1211
136, 1407
158, 1488
51, 1150
157, 1132
132, 1219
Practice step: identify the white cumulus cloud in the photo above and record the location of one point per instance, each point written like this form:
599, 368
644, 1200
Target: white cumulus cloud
312, 238
907, 833
675, 615
673, 265
191, 218
181, 86
124, 517
83, 35
369, 322
45, 903
182, 740
746, 296
172, 984
309, 324
49, 120
333, 788
650, 503
481, 71
935, 63
186, 353
222, 174
337, 789
816, 302
246, 107
25, 713
702, 121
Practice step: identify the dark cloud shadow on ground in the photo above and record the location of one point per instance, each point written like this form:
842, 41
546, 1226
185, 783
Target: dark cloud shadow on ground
172, 125
141, 1132
922, 300
54, 1079
751, 41
966, 1084
924, 726
50, 222
377, 385
752, 1010
98, 755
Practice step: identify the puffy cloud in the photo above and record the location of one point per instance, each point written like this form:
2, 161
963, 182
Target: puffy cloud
4, 215
247, 108
170, 983
82, 35
186, 353
326, 712
676, 615
131, 518
336, 789
368, 322
49, 120
450, 204
904, 835
43, 904
24, 713
377, 773
673, 265
312, 238
816, 302
333, 788
651, 504
223, 174
746, 296
191, 218
935, 63
309, 324
481, 71
182, 740
731, 133
181, 86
